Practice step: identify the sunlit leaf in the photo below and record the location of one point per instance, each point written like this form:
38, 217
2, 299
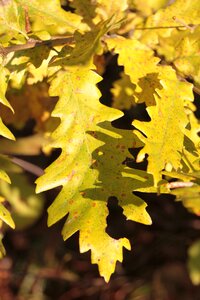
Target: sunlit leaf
12, 20
147, 7
48, 15
83, 174
5, 216
163, 136
106, 9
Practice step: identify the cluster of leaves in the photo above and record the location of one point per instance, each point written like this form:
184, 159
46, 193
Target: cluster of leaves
52, 54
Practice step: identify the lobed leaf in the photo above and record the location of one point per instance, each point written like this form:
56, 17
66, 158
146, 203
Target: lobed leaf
134, 65
79, 111
82, 169
163, 136
85, 9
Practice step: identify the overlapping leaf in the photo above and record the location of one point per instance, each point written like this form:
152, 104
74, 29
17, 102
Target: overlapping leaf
38, 108
4, 131
147, 7
191, 152
2, 249
86, 9
29, 65
180, 12
86, 45
48, 15
106, 9
182, 48
164, 134
123, 93
92, 165
79, 111
12, 21
138, 59
83, 168
174, 33
177, 16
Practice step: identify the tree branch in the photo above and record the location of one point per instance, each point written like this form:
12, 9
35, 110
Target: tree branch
32, 43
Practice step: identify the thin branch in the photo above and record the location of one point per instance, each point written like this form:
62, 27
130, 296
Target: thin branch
184, 25
160, 27
196, 90
179, 184
32, 43
28, 166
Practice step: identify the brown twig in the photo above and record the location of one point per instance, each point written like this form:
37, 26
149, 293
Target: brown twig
32, 43
27, 166
179, 184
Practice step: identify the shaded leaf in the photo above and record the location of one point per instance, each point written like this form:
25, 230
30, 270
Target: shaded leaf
194, 262
191, 152
190, 196
86, 9
134, 65
123, 91
2, 249
26, 206
86, 45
